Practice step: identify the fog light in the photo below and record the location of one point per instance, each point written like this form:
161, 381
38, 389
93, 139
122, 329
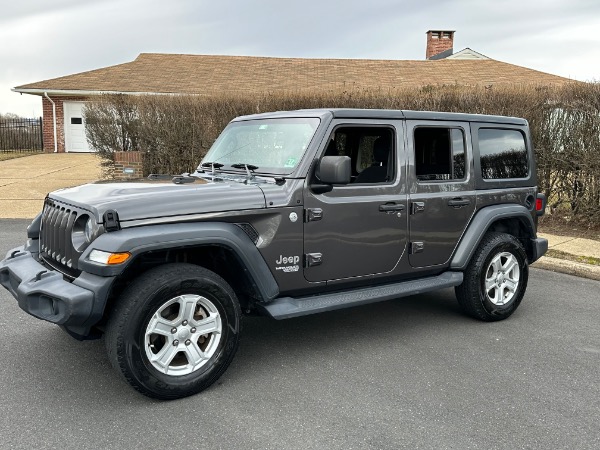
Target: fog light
108, 258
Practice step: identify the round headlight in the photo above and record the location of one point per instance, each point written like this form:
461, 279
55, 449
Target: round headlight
90, 228
85, 230
79, 233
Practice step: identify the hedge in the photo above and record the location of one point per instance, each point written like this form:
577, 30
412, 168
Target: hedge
175, 131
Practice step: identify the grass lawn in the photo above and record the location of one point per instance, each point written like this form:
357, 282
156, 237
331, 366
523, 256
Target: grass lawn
11, 155
581, 259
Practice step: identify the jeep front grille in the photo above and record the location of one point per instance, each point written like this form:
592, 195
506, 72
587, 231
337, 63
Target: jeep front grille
56, 246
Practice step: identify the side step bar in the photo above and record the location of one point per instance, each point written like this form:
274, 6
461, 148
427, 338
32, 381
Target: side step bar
286, 307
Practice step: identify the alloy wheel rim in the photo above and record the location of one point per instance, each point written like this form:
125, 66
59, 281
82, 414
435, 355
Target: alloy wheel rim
502, 278
183, 334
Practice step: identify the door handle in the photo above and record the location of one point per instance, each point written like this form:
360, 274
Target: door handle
387, 207
459, 202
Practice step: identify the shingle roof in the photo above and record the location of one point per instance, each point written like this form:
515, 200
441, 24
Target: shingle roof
208, 74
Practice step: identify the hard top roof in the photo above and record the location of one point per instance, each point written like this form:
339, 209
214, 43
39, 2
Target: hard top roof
386, 114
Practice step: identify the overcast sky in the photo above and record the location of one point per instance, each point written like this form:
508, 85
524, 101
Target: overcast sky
41, 39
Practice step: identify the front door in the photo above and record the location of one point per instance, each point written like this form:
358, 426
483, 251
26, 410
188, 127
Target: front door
75, 140
442, 199
358, 229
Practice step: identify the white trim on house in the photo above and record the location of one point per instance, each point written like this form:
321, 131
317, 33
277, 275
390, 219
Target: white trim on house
467, 53
53, 121
76, 93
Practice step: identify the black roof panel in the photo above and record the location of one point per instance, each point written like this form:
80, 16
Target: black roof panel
388, 114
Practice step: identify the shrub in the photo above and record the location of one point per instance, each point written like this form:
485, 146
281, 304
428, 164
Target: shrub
175, 131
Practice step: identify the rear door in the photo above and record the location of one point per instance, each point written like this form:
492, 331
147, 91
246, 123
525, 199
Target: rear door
442, 189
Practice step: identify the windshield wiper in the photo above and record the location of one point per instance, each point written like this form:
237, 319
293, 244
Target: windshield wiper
248, 168
212, 165
244, 166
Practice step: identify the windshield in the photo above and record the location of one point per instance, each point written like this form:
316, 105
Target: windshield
271, 145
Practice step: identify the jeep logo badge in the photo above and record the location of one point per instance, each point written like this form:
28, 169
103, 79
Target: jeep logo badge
288, 260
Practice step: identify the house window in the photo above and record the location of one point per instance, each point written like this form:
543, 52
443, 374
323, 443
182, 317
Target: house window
439, 154
503, 154
76, 121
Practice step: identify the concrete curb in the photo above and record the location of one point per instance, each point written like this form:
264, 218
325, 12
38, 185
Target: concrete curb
568, 267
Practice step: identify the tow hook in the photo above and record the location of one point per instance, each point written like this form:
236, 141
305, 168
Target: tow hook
15, 254
38, 276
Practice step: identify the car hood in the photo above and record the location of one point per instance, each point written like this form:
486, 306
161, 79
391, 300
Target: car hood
144, 200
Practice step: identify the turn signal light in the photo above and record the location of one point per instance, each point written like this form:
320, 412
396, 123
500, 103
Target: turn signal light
118, 258
108, 258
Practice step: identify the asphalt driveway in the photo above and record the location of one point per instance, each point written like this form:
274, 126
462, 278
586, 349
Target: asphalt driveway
412, 373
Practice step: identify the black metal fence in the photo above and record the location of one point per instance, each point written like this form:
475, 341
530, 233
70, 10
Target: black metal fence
21, 135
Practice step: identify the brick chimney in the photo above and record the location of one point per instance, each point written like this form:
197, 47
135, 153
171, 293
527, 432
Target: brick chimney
439, 44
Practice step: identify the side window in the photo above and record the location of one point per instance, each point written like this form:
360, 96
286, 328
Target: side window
439, 153
371, 150
503, 154
366, 159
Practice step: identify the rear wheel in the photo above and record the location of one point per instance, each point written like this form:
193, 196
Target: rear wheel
495, 279
174, 331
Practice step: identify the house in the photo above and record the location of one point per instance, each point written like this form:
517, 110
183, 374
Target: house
153, 73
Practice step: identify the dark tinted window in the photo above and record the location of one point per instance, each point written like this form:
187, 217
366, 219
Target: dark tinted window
503, 154
371, 150
76, 121
439, 153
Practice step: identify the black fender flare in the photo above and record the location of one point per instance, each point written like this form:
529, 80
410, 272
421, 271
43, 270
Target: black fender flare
480, 223
143, 239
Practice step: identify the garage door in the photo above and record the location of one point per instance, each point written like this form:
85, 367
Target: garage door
75, 140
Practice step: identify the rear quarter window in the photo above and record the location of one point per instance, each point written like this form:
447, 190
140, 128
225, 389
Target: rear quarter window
503, 154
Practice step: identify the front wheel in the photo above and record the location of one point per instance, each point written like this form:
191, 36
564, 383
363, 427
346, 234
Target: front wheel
495, 279
174, 331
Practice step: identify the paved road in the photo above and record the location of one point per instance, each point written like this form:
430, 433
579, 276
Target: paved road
412, 373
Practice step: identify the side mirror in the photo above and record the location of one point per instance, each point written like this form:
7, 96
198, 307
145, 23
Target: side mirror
335, 169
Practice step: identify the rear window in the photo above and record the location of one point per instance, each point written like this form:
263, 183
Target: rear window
439, 154
503, 154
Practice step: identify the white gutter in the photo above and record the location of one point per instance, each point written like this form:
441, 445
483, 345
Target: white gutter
44, 92
53, 120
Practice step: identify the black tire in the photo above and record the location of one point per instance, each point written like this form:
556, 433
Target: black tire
129, 342
473, 297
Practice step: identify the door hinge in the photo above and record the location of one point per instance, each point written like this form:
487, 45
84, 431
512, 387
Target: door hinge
417, 207
416, 247
313, 214
313, 259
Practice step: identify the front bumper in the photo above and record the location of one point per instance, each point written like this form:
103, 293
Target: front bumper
45, 294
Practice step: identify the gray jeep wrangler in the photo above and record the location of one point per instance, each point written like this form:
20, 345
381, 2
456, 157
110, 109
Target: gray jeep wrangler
290, 213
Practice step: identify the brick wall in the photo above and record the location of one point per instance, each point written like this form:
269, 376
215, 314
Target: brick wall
48, 123
128, 165
438, 42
